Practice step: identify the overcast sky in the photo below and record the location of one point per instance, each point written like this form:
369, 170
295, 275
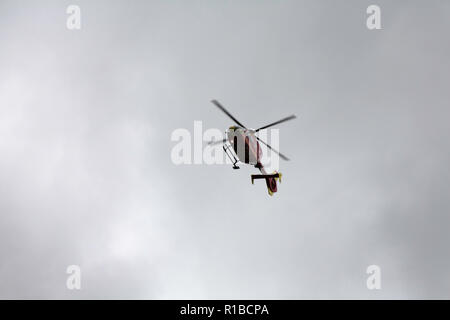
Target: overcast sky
86, 176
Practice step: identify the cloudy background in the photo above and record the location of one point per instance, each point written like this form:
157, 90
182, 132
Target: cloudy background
86, 176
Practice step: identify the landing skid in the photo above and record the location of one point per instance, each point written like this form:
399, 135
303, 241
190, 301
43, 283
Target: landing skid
226, 147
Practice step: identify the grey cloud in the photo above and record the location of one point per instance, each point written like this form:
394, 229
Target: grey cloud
85, 170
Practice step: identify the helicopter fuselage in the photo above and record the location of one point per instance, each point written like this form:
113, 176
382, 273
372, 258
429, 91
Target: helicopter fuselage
245, 145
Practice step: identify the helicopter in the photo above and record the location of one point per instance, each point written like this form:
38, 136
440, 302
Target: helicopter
243, 145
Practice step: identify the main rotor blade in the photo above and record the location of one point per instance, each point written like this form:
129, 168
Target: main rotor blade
277, 122
212, 143
282, 156
227, 113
